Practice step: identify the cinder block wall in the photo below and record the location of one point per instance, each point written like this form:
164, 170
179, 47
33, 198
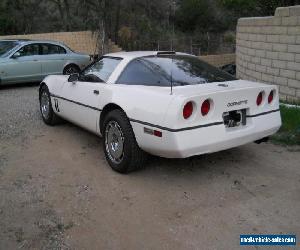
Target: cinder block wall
219, 60
81, 41
268, 50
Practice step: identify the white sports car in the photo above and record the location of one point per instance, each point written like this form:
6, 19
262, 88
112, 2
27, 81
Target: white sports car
164, 103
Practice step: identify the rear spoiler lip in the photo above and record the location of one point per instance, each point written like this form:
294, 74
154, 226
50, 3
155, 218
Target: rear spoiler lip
159, 53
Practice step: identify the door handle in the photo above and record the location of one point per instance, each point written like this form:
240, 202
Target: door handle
96, 92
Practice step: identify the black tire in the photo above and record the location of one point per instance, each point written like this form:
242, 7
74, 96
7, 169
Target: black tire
71, 69
133, 157
50, 119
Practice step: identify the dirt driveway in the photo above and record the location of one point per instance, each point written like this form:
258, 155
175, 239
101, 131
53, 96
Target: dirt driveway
57, 192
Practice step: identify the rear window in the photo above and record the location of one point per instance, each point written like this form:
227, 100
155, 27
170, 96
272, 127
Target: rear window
52, 49
181, 69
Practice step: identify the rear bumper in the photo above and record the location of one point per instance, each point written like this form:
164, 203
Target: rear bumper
209, 139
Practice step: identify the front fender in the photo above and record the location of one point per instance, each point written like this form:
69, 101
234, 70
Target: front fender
54, 83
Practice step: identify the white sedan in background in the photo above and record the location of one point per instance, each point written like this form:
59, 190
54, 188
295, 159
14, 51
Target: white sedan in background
164, 103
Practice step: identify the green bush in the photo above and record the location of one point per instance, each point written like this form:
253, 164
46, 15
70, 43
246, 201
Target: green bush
289, 133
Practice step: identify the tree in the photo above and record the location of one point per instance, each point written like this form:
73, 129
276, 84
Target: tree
195, 15
148, 21
256, 7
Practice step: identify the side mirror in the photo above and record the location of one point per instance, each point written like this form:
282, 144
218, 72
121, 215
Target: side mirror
73, 77
16, 55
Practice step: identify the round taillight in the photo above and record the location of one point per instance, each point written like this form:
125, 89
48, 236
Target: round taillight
187, 110
205, 107
271, 96
259, 98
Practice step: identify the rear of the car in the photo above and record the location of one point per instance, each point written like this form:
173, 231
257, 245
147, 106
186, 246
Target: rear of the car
227, 115
210, 110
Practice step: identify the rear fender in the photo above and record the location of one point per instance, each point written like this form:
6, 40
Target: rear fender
142, 105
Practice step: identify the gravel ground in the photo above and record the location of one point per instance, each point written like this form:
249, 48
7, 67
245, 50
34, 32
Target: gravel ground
57, 192
19, 111
23, 207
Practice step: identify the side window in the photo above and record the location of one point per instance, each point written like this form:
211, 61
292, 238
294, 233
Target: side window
103, 68
51, 49
30, 50
61, 50
140, 72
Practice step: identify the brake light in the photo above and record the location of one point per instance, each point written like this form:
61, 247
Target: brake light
205, 107
259, 98
187, 110
271, 96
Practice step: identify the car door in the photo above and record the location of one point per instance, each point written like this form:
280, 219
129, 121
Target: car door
80, 103
24, 65
53, 59
80, 100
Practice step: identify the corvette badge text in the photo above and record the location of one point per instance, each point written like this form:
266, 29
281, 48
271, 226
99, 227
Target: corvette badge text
231, 104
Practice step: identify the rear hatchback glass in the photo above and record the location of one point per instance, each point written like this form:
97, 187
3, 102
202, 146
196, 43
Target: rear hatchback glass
180, 69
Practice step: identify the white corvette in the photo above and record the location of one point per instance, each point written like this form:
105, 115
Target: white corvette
164, 103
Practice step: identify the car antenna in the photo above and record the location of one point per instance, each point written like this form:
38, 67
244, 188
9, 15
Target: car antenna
172, 53
172, 73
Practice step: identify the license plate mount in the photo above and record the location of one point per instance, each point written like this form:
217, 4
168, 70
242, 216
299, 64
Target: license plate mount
235, 118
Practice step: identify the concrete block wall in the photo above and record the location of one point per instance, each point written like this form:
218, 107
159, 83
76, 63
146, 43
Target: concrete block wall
268, 50
219, 60
81, 41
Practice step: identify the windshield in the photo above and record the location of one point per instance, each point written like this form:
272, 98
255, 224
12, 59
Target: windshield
180, 69
6, 46
103, 68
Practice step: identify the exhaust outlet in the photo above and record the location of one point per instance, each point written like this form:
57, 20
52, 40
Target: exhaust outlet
265, 139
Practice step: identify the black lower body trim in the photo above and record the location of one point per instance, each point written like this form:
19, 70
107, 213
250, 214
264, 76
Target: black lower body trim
264, 113
161, 127
78, 103
196, 127
176, 130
